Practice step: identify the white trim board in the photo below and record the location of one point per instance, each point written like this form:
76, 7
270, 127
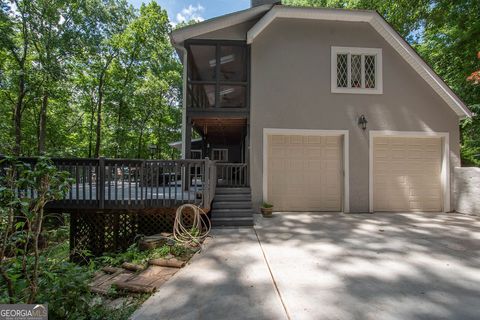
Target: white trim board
382, 27
311, 132
221, 22
377, 52
445, 173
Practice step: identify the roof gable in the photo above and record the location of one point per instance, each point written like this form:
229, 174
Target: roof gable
180, 35
383, 28
268, 13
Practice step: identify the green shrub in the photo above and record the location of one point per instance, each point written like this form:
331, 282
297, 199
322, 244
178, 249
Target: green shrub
267, 205
63, 285
135, 255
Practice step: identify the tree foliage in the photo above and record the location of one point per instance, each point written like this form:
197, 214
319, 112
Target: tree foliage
87, 79
21, 221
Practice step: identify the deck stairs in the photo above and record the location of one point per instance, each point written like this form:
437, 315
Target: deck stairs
232, 207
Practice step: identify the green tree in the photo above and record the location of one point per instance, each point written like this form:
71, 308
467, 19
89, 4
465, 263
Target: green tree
52, 35
14, 20
87, 78
450, 42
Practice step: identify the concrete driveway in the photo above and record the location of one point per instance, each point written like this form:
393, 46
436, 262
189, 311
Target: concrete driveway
229, 279
380, 266
331, 266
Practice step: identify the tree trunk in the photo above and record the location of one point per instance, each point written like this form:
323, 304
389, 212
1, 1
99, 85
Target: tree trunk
119, 131
42, 132
140, 140
90, 131
99, 116
37, 231
17, 117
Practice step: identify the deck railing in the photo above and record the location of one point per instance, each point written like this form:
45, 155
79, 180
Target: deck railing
134, 184
232, 174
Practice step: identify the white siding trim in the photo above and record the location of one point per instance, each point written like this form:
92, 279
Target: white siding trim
445, 173
225, 21
311, 132
382, 27
377, 52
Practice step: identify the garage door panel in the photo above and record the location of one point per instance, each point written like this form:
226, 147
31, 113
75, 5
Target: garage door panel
314, 139
331, 155
277, 140
313, 164
277, 152
305, 176
314, 152
406, 174
428, 191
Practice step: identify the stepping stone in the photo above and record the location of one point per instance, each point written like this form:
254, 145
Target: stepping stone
147, 281
103, 281
172, 263
132, 266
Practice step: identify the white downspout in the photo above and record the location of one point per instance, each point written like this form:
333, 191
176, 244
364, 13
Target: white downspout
184, 100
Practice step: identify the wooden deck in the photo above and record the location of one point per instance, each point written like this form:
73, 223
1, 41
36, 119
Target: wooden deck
104, 184
113, 201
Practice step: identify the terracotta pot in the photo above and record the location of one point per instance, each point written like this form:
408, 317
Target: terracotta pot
267, 212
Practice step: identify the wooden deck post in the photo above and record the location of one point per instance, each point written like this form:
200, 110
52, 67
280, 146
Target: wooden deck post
188, 146
142, 182
207, 183
101, 182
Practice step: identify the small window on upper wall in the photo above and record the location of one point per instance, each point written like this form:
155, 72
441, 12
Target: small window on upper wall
220, 155
357, 70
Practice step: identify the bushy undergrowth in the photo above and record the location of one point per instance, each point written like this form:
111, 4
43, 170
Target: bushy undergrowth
134, 255
35, 252
63, 284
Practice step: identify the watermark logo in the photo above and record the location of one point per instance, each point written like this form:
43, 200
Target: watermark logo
23, 312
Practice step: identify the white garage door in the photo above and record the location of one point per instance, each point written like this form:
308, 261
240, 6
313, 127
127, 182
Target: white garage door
304, 172
407, 174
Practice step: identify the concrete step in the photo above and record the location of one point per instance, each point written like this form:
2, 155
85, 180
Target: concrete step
232, 222
231, 213
232, 205
223, 190
233, 197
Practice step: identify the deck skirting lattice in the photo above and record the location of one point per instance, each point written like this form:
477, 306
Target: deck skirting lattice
97, 233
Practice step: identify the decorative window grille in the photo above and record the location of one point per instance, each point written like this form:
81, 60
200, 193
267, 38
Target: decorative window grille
370, 72
342, 73
356, 70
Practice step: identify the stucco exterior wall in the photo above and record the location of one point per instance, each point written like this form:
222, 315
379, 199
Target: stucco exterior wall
467, 190
290, 88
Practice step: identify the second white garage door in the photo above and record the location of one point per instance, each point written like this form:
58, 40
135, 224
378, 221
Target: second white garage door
407, 174
304, 172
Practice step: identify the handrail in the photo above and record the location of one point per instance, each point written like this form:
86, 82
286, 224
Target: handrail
232, 174
102, 183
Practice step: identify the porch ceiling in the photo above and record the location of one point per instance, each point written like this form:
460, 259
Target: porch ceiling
221, 130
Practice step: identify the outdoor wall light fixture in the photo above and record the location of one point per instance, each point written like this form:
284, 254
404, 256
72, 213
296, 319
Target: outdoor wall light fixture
362, 122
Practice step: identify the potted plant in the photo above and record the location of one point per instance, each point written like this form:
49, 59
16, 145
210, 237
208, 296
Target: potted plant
267, 209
